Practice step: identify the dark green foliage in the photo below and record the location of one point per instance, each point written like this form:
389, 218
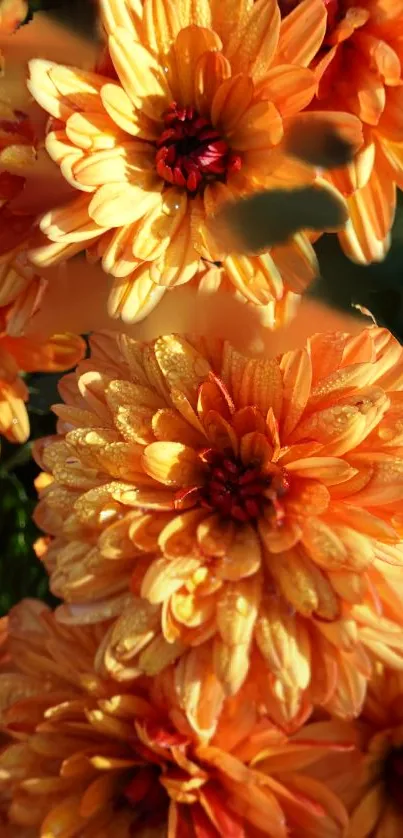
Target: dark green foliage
21, 573
378, 287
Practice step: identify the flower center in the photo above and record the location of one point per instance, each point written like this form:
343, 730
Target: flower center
145, 794
393, 774
190, 152
239, 491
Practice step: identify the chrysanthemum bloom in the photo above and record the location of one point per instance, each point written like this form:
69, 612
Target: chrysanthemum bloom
359, 70
369, 779
91, 760
378, 809
193, 116
250, 506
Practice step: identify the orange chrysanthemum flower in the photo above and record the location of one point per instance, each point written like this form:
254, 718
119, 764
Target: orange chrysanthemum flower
250, 506
369, 779
359, 70
92, 761
193, 115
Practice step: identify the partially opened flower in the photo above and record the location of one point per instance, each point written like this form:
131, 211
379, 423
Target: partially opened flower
378, 802
20, 293
249, 505
193, 115
369, 779
92, 760
359, 70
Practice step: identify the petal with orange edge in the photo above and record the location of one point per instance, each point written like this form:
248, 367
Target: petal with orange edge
134, 297
140, 73
190, 45
329, 470
231, 101
253, 44
303, 584
237, 609
198, 689
160, 24
173, 464
124, 113
302, 32
14, 421
289, 87
211, 70
58, 353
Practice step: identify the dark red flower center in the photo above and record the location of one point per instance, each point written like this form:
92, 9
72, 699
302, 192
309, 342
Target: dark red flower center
146, 795
393, 775
240, 491
191, 153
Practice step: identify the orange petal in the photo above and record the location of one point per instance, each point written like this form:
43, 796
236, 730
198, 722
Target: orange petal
297, 378
115, 204
124, 113
134, 297
242, 557
296, 262
161, 24
214, 536
254, 42
198, 689
328, 470
289, 87
385, 478
261, 385
58, 353
173, 464
210, 71
231, 664
283, 642
178, 538
141, 74
190, 45
302, 32
237, 610
259, 126
230, 102
279, 538
14, 421
63, 90
183, 367
303, 584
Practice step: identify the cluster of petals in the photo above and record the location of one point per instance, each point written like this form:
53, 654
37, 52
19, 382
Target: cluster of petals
190, 111
21, 288
359, 70
87, 757
244, 514
368, 778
